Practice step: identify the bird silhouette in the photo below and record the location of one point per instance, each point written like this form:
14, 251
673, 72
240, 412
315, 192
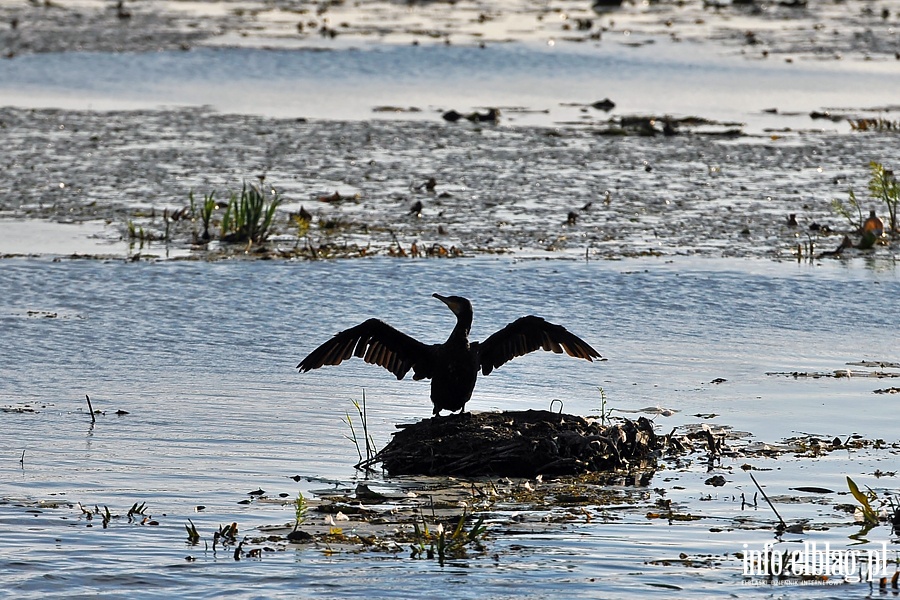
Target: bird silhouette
452, 366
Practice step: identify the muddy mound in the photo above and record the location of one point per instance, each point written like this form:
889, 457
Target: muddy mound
517, 444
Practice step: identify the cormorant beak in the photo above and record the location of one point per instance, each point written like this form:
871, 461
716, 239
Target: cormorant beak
450, 303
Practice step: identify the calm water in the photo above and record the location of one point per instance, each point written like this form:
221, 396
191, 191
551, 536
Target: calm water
553, 84
202, 357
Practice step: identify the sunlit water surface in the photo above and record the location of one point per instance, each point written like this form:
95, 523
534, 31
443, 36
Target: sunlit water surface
202, 358
530, 83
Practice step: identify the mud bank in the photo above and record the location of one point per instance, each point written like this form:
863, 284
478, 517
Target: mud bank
362, 184
823, 29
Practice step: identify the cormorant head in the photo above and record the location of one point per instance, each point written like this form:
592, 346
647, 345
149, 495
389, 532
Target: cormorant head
457, 304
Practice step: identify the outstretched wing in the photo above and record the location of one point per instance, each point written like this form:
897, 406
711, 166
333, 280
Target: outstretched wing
377, 343
527, 335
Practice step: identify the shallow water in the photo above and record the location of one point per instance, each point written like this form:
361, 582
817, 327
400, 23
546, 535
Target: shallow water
37, 237
202, 358
531, 84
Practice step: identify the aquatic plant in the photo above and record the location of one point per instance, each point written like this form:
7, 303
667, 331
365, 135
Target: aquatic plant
870, 517
192, 533
604, 412
895, 516
302, 225
226, 533
248, 217
300, 508
136, 509
371, 450
90, 408
136, 232
206, 211
782, 526
879, 124
428, 544
855, 221
883, 186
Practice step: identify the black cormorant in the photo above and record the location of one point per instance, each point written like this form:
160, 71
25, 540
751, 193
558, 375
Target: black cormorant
452, 366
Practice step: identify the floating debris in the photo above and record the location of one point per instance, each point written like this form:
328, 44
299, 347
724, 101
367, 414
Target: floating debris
492, 115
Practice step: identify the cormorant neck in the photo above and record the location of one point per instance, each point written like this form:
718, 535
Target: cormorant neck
463, 325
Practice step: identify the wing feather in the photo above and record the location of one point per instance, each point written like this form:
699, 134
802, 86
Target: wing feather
526, 335
348, 350
377, 343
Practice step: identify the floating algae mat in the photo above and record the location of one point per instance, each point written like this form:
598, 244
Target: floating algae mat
518, 444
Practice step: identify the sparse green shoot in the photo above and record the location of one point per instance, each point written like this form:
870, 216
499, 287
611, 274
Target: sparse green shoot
192, 533
371, 450
852, 211
870, 517
300, 508
883, 186
604, 412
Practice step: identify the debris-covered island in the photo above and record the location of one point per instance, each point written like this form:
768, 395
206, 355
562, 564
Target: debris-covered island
518, 444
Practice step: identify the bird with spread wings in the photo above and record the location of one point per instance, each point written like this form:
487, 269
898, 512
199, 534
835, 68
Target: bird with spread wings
454, 365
